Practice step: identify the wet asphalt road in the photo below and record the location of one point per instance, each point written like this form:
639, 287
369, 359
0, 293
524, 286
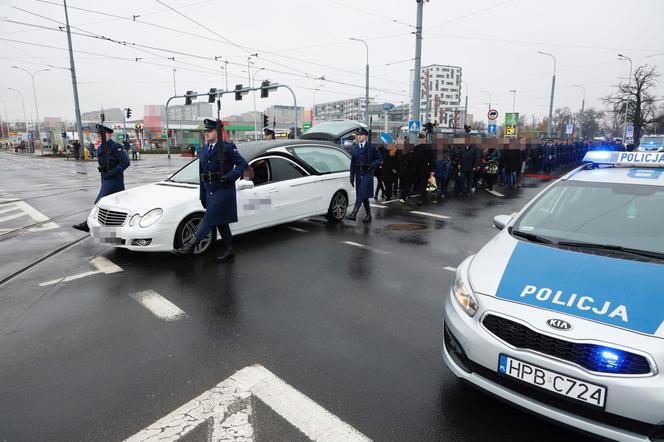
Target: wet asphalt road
357, 330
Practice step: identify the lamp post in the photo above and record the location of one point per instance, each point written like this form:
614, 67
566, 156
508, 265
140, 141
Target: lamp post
366, 92
25, 118
34, 93
583, 115
513, 91
465, 109
629, 84
5, 126
253, 84
313, 108
553, 88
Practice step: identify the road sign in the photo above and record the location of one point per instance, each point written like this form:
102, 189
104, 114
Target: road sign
511, 124
388, 106
492, 128
414, 126
569, 129
630, 132
492, 115
306, 125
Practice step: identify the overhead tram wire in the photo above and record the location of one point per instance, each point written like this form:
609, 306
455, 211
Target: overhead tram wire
245, 49
170, 51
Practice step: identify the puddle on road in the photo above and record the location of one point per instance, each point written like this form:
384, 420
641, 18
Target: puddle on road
406, 226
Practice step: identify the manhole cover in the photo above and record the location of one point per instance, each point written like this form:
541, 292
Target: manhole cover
406, 226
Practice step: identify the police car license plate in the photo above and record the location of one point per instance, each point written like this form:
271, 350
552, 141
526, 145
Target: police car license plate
550, 380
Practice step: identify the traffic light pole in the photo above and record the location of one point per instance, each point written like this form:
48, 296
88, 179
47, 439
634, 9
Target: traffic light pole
221, 93
418, 67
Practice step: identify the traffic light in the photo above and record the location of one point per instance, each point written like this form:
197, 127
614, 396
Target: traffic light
265, 91
266, 120
466, 128
213, 95
188, 98
238, 94
128, 113
64, 135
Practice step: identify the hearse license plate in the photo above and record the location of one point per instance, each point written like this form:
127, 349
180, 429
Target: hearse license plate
550, 380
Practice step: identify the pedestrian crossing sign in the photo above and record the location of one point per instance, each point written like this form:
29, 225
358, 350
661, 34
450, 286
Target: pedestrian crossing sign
414, 125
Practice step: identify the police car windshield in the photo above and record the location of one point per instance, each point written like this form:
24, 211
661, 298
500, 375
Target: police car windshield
621, 215
188, 174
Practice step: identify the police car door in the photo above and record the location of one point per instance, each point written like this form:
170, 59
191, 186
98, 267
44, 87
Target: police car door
257, 206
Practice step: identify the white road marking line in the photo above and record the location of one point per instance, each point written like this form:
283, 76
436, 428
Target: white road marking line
378, 206
391, 201
226, 413
159, 306
432, 215
493, 192
362, 246
297, 229
102, 265
450, 269
105, 266
11, 217
9, 208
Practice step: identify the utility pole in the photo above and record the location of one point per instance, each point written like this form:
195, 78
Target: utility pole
34, 94
5, 122
465, 109
553, 88
252, 84
175, 92
253, 92
487, 92
583, 115
418, 66
366, 88
629, 85
72, 68
25, 118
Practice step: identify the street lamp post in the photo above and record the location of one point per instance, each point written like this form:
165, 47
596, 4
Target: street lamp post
313, 108
5, 126
34, 93
252, 84
489, 95
553, 88
25, 118
465, 109
366, 92
513, 91
629, 85
583, 115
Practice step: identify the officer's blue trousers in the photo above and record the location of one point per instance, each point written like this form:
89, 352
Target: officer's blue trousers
224, 230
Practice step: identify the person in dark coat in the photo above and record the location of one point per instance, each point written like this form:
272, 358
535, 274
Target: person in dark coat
112, 161
220, 165
404, 178
390, 170
378, 173
365, 158
469, 163
421, 167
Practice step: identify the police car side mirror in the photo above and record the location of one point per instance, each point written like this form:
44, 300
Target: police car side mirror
245, 184
500, 221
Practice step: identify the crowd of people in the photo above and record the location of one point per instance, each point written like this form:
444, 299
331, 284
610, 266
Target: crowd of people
461, 170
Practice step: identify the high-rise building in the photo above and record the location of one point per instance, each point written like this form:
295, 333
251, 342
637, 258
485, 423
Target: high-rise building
349, 109
440, 97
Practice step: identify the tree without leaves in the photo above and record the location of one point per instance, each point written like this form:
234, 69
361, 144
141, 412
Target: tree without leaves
591, 120
641, 105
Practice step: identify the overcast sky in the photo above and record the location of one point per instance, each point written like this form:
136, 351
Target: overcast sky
494, 41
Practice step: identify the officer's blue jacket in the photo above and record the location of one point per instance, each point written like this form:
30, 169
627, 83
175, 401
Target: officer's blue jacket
112, 178
220, 198
359, 173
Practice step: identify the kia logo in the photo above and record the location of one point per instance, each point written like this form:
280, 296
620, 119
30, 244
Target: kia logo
559, 324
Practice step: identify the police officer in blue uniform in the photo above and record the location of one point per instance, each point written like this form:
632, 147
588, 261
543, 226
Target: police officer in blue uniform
220, 165
365, 158
112, 160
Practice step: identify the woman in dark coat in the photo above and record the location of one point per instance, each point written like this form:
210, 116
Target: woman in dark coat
390, 170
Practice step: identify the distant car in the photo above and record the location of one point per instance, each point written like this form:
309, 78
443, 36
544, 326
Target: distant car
562, 312
651, 143
288, 180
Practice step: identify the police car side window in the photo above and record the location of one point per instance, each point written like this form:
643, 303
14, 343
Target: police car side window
283, 170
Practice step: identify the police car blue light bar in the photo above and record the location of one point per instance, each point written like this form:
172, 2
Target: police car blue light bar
625, 159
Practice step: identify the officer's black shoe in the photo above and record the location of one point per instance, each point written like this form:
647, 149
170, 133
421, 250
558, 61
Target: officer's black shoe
367, 219
228, 255
188, 248
353, 215
83, 227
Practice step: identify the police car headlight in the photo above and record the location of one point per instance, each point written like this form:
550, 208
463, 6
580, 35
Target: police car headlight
134, 219
464, 294
151, 217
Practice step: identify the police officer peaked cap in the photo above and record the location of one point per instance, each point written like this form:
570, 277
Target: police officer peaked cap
210, 124
268, 131
362, 131
101, 128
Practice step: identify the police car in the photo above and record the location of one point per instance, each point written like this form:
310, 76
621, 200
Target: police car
562, 312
